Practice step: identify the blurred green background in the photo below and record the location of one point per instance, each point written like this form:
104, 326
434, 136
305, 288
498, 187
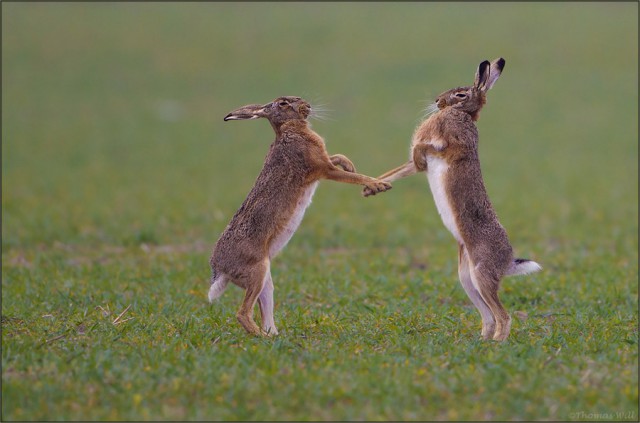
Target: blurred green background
113, 139
112, 113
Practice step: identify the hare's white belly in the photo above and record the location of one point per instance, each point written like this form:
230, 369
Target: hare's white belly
283, 237
436, 173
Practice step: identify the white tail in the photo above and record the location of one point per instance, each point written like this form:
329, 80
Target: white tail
218, 286
523, 267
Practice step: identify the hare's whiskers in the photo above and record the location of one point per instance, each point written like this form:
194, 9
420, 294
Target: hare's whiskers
430, 109
320, 112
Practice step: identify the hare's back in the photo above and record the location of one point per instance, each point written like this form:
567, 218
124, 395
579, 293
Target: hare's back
270, 204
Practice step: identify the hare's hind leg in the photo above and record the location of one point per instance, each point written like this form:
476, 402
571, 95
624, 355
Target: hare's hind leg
265, 302
488, 284
464, 273
252, 282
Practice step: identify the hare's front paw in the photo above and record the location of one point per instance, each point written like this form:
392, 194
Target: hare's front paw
343, 162
420, 162
366, 191
375, 187
348, 167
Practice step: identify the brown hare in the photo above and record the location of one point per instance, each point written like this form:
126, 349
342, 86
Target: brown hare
274, 208
445, 146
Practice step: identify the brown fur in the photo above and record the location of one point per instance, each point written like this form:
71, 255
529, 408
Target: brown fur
485, 255
296, 160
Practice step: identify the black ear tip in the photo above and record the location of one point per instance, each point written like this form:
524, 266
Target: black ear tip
501, 62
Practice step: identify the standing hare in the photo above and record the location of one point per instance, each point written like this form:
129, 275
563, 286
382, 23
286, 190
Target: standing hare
272, 211
445, 146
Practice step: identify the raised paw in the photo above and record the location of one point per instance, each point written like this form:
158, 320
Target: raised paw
375, 187
366, 191
342, 161
347, 167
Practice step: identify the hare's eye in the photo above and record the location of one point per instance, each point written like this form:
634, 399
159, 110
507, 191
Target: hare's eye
283, 103
461, 95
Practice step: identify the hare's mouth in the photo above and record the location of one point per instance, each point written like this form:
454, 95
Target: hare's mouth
231, 116
251, 111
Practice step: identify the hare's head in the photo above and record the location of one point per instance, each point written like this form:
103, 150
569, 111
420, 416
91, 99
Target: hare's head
471, 99
279, 111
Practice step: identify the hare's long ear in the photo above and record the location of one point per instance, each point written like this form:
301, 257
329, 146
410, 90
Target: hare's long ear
482, 75
494, 73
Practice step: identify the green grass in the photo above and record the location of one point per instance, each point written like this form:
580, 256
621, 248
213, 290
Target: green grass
118, 175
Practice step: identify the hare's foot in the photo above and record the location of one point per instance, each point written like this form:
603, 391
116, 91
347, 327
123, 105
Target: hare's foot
487, 285
269, 331
502, 330
488, 329
249, 325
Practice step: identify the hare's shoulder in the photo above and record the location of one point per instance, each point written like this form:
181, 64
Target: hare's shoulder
303, 138
447, 129
287, 162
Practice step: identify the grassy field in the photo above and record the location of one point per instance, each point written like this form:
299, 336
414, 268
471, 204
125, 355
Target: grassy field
118, 175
